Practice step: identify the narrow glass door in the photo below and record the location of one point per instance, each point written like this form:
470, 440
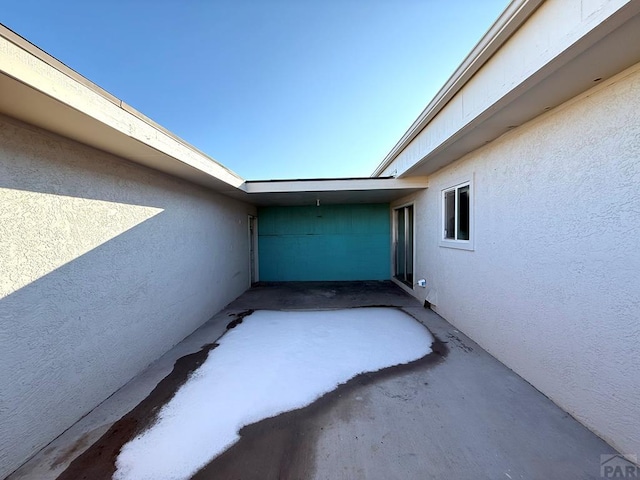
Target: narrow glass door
404, 244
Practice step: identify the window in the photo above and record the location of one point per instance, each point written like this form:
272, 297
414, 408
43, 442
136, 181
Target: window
457, 221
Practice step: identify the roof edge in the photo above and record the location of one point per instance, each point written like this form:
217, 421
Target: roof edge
334, 184
228, 176
516, 14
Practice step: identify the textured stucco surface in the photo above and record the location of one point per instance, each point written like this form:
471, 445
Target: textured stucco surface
104, 265
552, 286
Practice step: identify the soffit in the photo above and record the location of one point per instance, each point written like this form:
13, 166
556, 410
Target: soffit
331, 191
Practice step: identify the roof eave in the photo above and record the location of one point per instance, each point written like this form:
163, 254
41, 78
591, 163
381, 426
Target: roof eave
516, 13
52, 94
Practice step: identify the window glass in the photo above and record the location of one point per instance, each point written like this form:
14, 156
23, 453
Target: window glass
449, 214
404, 244
463, 213
457, 221
409, 252
401, 253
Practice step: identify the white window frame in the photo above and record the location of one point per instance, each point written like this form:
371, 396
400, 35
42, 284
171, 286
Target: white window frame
453, 242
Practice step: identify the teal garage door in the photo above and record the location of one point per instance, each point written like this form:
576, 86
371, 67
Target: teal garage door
330, 242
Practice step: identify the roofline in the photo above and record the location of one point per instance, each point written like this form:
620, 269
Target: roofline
281, 180
334, 184
516, 13
332, 191
27, 46
52, 61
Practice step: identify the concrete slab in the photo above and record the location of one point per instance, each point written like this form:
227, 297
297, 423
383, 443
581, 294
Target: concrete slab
457, 414
468, 416
319, 295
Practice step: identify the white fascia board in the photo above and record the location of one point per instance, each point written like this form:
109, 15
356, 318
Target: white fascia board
34, 68
335, 185
516, 13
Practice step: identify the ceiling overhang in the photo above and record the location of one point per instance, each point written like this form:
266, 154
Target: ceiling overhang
40, 90
331, 191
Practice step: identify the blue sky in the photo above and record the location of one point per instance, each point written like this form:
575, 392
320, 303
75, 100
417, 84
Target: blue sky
272, 88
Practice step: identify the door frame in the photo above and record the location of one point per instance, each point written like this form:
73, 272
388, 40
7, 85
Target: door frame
406, 281
254, 263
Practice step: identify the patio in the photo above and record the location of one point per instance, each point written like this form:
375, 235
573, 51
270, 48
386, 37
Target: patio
458, 413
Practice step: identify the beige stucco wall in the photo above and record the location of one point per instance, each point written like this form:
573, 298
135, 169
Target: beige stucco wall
104, 265
552, 287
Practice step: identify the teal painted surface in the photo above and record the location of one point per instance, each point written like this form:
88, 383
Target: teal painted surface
332, 242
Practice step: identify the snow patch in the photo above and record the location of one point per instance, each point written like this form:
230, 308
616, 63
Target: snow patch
271, 363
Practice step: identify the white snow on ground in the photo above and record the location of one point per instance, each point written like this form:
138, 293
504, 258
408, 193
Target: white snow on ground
271, 363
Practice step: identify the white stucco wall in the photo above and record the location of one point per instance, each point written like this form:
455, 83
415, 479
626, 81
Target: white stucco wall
104, 265
552, 287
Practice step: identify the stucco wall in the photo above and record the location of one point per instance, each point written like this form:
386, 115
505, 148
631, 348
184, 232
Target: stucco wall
552, 287
104, 266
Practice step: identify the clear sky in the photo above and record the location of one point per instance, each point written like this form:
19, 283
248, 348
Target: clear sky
271, 88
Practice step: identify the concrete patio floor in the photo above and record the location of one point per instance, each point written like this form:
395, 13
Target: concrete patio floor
457, 414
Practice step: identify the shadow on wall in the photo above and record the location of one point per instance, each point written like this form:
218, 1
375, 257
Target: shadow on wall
105, 265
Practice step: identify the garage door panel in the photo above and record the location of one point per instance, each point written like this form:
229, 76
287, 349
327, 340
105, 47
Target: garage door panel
338, 242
